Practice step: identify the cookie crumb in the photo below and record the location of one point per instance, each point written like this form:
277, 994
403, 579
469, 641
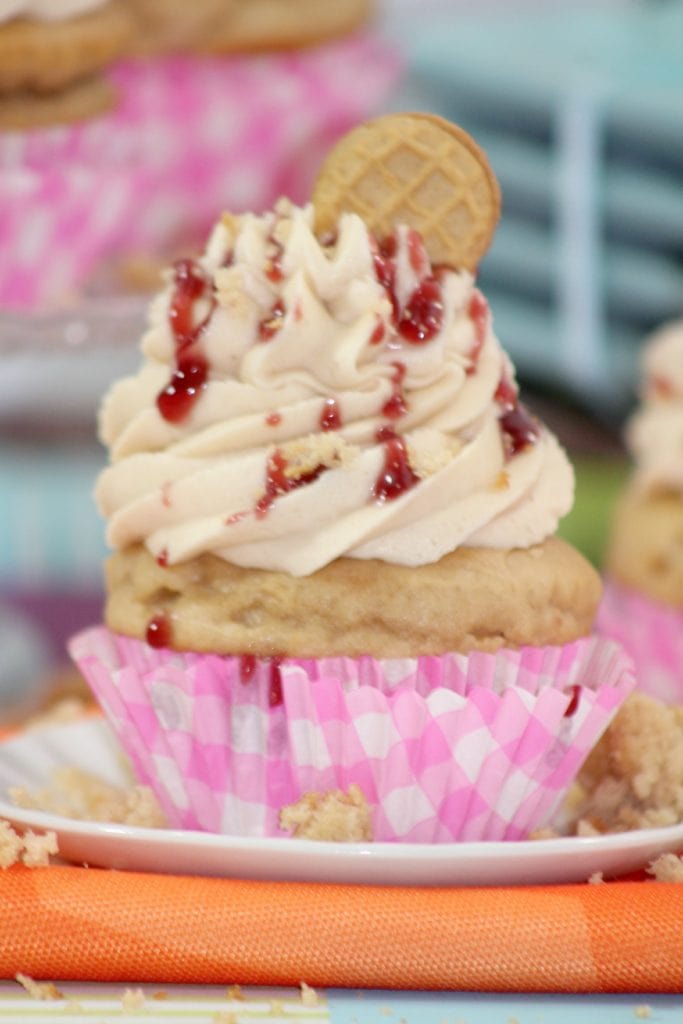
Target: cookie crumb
39, 848
133, 999
45, 990
642, 1012
596, 878
84, 796
633, 778
11, 845
333, 816
309, 996
668, 867
235, 992
224, 1017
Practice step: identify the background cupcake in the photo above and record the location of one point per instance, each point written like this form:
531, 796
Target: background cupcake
643, 604
52, 57
333, 524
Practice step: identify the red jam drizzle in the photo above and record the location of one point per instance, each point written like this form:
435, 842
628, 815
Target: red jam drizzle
506, 393
273, 269
166, 493
247, 667
520, 429
417, 254
273, 419
191, 367
275, 687
662, 387
478, 312
377, 336
236, 517
573, 704
330, 417
421, 318
396, 406
162, 558
271, 324
278, 483
397, 475
158, 631
385, 271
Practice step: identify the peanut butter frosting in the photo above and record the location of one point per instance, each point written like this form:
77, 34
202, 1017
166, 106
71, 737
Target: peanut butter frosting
302, 399
655, 433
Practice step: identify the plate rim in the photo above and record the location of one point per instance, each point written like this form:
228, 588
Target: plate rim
517, 850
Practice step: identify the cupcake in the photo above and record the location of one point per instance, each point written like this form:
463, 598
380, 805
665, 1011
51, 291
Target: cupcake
52, 55
333, 523
643, 604
255, 26
172, 26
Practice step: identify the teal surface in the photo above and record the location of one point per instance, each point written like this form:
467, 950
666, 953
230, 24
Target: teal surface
580, 113
374, 1007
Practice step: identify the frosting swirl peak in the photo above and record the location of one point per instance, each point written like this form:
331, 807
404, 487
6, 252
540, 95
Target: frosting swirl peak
303, 399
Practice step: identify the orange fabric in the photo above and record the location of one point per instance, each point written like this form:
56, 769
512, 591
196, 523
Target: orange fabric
90, 924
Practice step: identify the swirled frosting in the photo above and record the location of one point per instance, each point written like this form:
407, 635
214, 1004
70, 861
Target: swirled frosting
655, 433
46, 10
300, 400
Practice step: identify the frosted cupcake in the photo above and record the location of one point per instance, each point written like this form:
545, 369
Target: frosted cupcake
334, 555
52, 56
643, 605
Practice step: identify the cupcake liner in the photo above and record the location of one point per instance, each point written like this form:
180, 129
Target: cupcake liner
190, 136
651, 633
445, 748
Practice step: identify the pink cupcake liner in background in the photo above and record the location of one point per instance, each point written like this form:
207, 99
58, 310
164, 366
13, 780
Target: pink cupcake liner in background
478, 747
189, 137
652, 634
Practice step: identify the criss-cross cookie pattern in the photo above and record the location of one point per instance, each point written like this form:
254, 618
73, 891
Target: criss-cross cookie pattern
417, 170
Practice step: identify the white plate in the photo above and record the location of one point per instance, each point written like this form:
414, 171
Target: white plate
30, 759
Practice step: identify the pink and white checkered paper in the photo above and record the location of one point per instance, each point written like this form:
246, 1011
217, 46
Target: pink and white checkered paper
190, 137
445, 748
652, 634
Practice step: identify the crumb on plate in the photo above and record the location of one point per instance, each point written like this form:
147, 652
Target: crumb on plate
45, 990
334, 816
668, 867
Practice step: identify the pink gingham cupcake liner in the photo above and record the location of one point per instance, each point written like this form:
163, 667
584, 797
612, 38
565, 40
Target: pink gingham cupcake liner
651, 633
190, 135
455, 747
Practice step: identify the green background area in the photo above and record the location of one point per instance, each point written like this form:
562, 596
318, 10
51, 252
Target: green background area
599, 481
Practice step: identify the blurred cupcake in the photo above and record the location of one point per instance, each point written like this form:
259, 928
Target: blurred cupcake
175, 26
52, 55
334, 556
256, 26
643, 604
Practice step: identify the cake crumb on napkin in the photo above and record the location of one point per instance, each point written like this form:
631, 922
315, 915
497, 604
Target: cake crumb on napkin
38, 989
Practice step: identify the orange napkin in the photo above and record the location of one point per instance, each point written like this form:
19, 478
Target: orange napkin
75, 923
